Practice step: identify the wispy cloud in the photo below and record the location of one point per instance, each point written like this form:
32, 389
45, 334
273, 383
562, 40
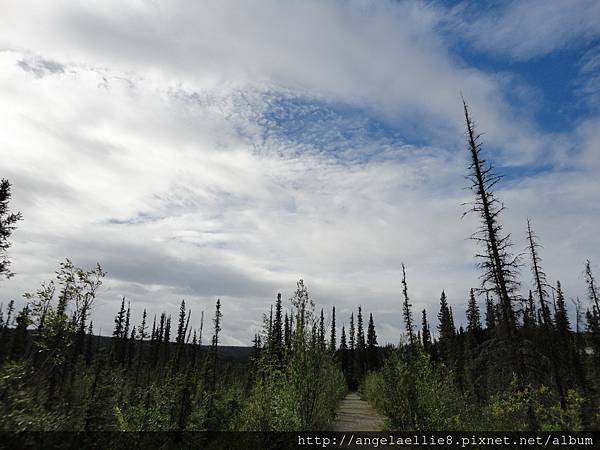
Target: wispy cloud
527, 29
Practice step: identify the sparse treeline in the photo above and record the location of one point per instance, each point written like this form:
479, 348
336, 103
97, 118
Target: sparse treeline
57, 375
60, 376
523, 366
358, 353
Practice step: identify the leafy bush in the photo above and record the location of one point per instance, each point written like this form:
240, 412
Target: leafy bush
301, 396
297, 384
413, 395
20, 410
509, 410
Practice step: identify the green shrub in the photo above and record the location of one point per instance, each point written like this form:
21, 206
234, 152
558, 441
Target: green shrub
414, 396
301, 396
509, 410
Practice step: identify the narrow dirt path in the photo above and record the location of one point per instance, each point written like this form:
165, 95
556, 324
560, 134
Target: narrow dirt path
355, 414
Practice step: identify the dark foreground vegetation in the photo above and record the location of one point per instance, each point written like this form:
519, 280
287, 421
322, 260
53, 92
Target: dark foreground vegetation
522, 366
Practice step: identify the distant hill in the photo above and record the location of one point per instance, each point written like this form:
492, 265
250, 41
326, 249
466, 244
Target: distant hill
229, 352
225, 352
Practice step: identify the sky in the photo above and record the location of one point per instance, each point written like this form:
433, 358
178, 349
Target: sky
225, 149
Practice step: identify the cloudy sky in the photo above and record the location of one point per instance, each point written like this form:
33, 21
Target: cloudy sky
204, 149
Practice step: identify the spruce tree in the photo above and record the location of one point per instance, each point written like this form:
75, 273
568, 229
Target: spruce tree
406, 309
332, 341
490, 312
167, 331
360, 333
117, 340
256, 344
561, 318
372, 360
278, 329
446, 329
352, 355
214, 348
445, 321
593, 333
539, 275
529, 316
154, 334
8, 220
167, 339
361, 356
180, 339
143, 328
351, 338
188, 330
217, 326
154, 343
322, 344
270, 332
287, 333
426, 333
592, 288
557, 345
499, 266
473, 317
201, 329
119, 322
127, 321
344, 356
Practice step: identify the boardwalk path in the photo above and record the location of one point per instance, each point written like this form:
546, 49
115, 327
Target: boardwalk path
355, 414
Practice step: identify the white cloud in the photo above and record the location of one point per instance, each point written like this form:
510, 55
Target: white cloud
386, 56
528, 29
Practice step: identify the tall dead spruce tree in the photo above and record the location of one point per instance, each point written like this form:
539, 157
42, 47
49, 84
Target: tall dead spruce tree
538, 275
500, 267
